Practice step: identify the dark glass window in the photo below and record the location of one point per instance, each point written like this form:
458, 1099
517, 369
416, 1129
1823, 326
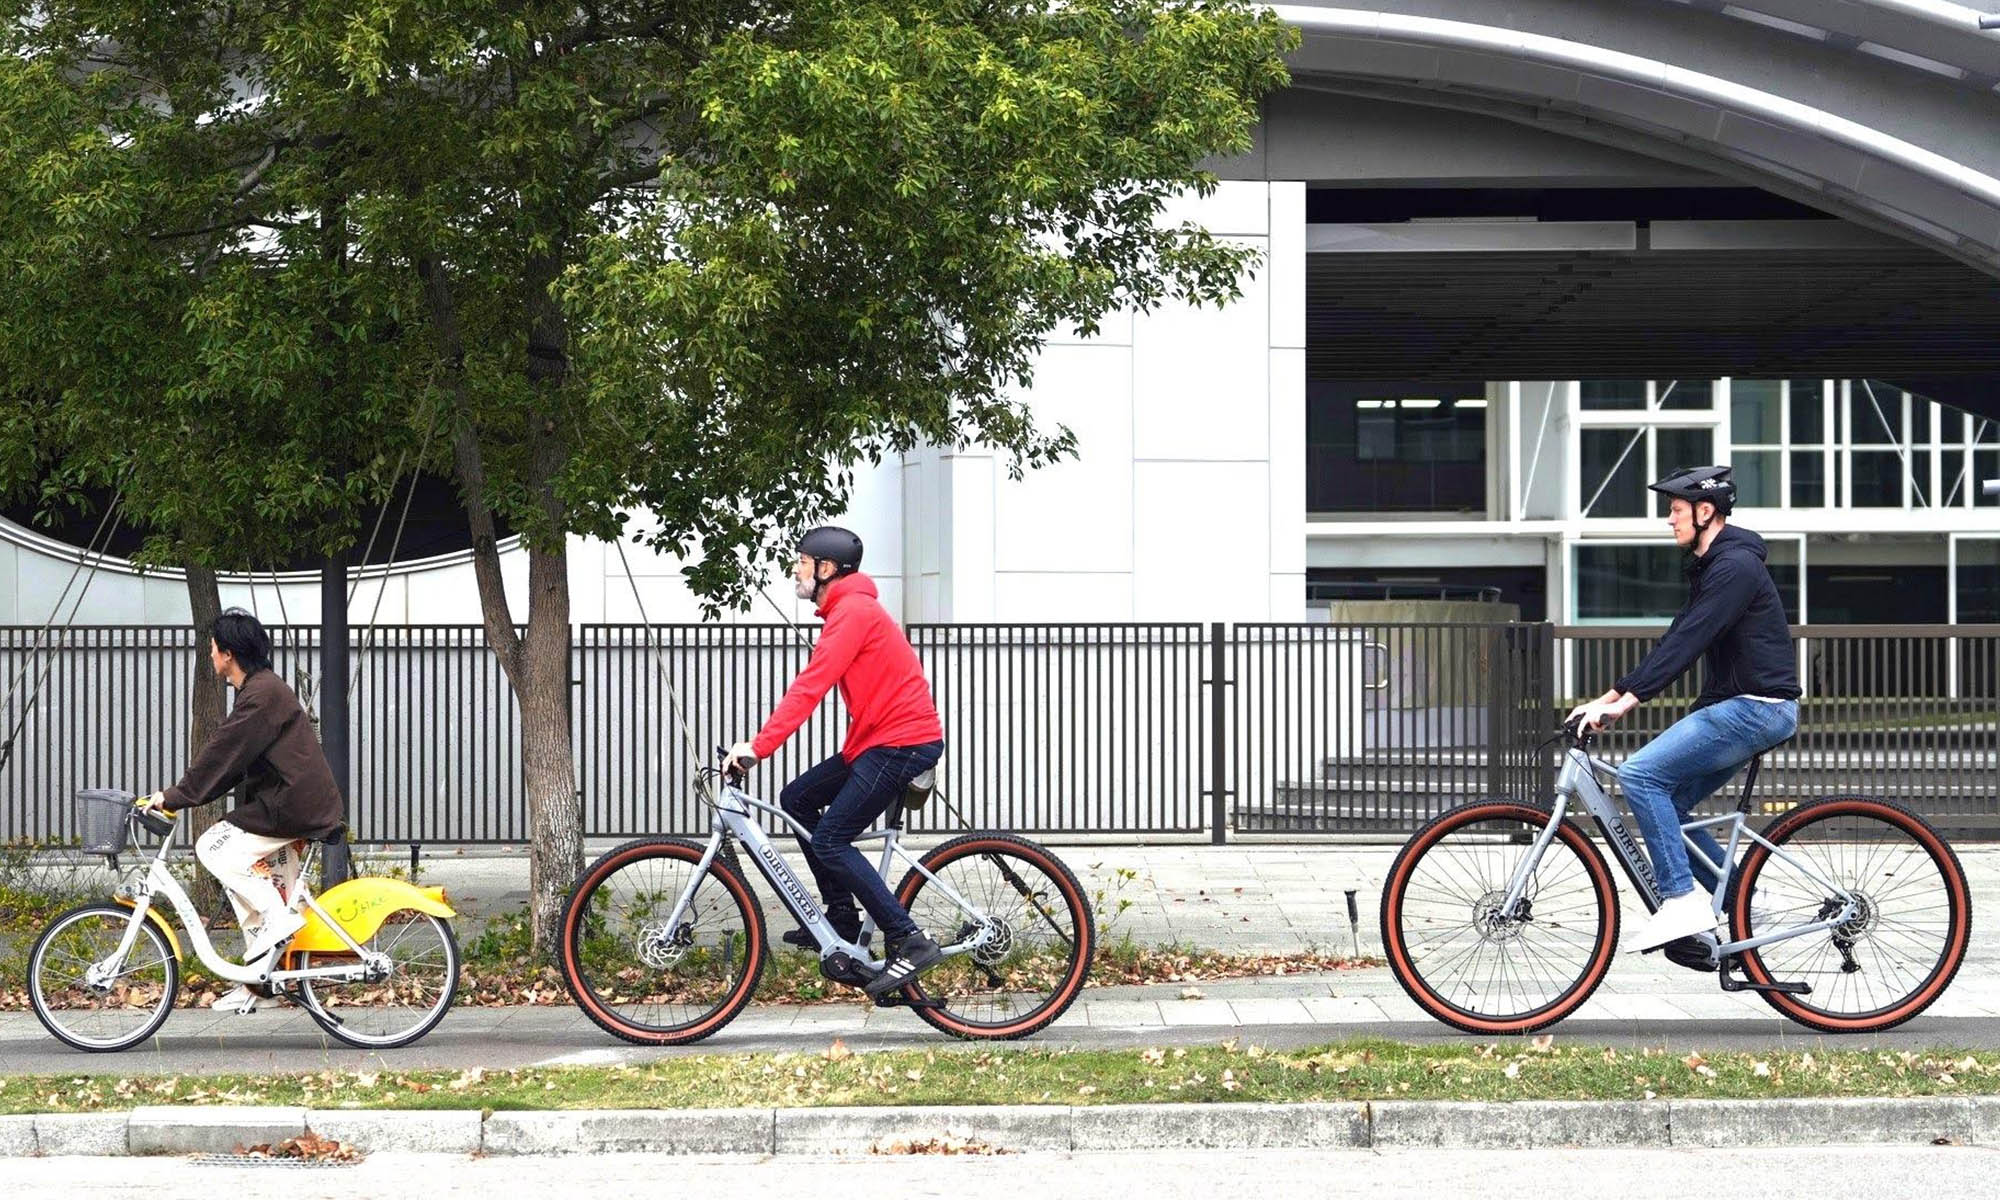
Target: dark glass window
1397, 446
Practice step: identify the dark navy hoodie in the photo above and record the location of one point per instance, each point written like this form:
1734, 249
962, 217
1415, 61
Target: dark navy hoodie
1735, 615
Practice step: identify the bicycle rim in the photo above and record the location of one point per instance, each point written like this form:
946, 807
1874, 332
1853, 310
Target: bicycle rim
1890, 960
1465, 964
395, 1010
642, 980
130, 1007
1031, 932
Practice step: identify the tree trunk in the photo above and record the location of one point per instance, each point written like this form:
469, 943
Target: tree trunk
537, 662
207, 704
542, 684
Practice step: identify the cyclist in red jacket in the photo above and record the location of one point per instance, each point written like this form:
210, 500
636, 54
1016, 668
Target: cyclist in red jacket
893, 736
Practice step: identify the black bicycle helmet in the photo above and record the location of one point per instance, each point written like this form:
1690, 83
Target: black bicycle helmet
1696, 484
833, 544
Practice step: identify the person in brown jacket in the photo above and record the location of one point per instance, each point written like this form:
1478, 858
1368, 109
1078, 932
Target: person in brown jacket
267, 745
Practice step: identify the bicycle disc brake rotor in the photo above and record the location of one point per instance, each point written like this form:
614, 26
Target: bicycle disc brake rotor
661, 947
1852, 930
991, 940
1491, 925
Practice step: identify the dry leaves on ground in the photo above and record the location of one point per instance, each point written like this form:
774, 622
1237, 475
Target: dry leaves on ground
308, 1147
946, 1145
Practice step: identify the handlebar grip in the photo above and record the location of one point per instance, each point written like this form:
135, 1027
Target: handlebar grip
159, 826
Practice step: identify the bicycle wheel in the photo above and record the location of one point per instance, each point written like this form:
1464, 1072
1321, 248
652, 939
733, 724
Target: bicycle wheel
111, 1013
642, 981
1896, 955
1465, 965
1032, 935
385, 1011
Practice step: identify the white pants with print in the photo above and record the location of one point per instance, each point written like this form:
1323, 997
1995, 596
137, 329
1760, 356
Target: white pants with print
252, 868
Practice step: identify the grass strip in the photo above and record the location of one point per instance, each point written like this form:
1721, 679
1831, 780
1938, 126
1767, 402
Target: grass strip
1360, 1069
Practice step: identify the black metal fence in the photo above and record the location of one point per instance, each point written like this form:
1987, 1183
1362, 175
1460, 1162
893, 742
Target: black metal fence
1107, 728
1906, 712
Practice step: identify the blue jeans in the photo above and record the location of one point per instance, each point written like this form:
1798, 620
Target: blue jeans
1684, 766
836, 801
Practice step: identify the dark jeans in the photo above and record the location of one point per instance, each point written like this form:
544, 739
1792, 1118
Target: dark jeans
836, 801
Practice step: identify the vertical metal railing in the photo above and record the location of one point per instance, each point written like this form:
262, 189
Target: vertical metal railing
1168, 728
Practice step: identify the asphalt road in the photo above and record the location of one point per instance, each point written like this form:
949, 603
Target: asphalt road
1849, 1172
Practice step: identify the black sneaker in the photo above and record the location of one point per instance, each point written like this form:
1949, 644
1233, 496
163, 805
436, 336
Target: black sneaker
908, 958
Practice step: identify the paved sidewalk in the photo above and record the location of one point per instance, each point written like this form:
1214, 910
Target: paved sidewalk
1245, 897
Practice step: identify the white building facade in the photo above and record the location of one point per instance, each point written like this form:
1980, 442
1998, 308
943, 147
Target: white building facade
1186, 500
1519, 257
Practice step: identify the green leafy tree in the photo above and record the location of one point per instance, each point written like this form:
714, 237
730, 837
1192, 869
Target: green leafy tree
181, 305
699, 259
705, 260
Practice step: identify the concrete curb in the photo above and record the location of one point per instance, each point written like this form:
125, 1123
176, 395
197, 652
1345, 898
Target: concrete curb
1359, 1125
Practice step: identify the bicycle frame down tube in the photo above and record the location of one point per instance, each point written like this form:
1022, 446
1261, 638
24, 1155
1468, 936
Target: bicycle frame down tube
1577, 781
733, 818
160, 882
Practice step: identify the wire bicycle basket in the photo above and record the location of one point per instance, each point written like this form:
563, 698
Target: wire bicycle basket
104, 816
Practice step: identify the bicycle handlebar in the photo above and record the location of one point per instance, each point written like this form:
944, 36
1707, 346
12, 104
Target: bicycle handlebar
1579, 737
159, 826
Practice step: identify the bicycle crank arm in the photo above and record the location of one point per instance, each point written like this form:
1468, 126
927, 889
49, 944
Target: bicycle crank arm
899, 1000
1730, 983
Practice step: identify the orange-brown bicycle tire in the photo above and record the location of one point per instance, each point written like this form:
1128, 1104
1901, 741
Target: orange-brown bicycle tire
1958, 895
587, 997
1077, 972
1532, 819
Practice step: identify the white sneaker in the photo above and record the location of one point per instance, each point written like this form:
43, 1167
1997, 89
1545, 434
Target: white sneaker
241, 1000
1679, 917
277, 929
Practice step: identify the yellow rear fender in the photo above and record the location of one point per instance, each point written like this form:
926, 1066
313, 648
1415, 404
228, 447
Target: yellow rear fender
153, 915
362, 906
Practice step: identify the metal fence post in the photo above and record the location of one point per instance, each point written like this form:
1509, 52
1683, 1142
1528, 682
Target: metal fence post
1218, 731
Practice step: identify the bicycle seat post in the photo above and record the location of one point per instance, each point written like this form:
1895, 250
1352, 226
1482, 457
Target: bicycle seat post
1749, 783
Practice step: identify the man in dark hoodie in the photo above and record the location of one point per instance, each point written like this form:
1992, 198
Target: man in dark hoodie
1749, 701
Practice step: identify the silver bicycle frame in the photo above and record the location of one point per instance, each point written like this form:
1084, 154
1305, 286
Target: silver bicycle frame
158, 881
1577, 781
733, 818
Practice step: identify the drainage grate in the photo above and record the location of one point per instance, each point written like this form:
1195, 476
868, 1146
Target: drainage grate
262, 1160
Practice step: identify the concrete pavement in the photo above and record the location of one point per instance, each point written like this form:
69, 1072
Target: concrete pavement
1246, 897
1410, 1173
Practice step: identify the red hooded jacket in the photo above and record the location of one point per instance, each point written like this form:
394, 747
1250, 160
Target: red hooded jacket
881, 682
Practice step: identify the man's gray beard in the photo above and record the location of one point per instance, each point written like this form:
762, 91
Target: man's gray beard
804, 589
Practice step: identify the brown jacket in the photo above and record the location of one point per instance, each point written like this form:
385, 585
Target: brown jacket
266, 744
